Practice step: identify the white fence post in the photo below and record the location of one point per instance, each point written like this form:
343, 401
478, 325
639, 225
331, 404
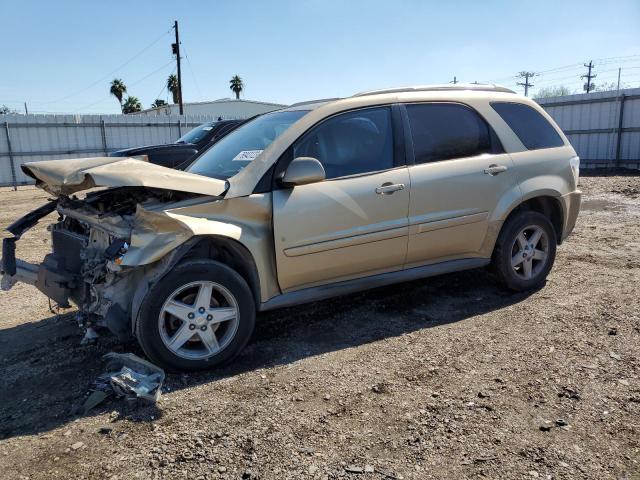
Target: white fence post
10, 151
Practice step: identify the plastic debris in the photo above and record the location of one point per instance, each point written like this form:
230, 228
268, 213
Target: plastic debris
90, 337
127, 376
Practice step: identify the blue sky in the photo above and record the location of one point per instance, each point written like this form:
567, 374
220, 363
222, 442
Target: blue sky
60, 56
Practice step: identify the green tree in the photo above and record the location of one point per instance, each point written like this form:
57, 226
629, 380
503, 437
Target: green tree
131, 105
557, 91
172, 86
118, 89
236, 85
158, 103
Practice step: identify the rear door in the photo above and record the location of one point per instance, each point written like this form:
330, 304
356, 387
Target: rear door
354, 223
459, 174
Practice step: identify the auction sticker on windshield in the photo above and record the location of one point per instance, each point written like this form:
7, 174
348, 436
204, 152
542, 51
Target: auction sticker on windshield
247, 155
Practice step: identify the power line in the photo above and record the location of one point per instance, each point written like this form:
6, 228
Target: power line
164, 85
601, 61
108, 74
186, 55
131, 85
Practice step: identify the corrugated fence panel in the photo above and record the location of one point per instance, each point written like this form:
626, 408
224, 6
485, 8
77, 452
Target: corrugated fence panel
56, 137
592, 125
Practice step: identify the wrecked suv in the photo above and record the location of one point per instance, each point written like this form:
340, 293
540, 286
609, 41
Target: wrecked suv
309, 202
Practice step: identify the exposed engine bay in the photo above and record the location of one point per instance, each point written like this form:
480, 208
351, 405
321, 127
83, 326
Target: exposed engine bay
89, 240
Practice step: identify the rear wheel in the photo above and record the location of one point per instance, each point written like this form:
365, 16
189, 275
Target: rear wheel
525, 251
199, 315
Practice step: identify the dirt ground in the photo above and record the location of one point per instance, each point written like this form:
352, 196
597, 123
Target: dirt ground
449, 377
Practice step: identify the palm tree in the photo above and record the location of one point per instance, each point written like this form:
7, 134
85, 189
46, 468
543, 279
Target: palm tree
132, 104
236, 85
118, 89
158, 103
172, 86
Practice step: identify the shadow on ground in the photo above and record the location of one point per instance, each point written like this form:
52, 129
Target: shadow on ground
46, 372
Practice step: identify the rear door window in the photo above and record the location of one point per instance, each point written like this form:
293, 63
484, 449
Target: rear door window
443, 131
533, 130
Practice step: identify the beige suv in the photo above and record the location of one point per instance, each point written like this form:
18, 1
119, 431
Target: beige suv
316, 200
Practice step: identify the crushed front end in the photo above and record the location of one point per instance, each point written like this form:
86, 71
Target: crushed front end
89, 241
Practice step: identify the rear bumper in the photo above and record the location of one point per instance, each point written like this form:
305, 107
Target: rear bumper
571, 206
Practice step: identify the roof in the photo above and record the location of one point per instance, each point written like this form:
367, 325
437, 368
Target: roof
484, 87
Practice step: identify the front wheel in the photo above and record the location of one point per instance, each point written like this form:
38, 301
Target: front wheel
199, 315
525, 251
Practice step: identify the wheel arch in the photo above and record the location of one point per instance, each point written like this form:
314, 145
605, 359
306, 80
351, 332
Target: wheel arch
546, 202
230, 252
225, 250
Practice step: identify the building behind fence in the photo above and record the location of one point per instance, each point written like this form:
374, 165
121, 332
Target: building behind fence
603, 127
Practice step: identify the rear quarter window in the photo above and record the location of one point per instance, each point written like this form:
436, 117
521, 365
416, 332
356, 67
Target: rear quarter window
533, 130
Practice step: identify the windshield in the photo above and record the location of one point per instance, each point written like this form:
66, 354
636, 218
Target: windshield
235, 151
197, 134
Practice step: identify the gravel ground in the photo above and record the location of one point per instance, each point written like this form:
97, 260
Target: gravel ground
449, 377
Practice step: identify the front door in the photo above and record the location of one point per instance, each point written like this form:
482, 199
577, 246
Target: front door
354, 223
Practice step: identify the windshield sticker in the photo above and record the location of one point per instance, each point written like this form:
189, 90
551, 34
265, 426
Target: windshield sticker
206, 129
247, 155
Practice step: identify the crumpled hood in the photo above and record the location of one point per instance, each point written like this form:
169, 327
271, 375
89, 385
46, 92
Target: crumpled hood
64, 177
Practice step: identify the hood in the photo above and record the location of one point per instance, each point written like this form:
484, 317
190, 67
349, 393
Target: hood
64, 177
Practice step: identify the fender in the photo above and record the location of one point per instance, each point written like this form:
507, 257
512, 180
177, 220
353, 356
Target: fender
203, 246
242, 225
554, 186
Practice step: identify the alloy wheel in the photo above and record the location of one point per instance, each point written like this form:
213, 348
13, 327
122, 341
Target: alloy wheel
198, 320
530, 252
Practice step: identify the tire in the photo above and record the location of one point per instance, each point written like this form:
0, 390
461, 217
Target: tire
176, 331
514, 244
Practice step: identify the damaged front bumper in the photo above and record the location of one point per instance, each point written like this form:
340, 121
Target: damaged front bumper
82, 268
12, 269
106, 252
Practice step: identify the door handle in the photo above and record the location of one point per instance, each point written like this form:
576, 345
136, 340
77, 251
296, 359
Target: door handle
388, 188
495, 169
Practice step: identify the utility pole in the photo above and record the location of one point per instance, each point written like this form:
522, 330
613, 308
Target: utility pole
526, 84
454, 81
619, 72
589, 76
176, 51
26, 110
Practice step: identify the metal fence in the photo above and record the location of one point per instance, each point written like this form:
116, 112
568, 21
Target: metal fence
603, 127
28, 138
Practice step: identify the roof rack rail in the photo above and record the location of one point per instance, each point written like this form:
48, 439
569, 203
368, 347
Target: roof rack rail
310, 102
483, 87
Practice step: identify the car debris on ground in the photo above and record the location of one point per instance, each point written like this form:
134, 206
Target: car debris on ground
128, 376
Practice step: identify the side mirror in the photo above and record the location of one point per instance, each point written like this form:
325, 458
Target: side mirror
303, 170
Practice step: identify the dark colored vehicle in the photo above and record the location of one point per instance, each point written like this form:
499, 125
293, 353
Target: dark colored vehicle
177, 154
